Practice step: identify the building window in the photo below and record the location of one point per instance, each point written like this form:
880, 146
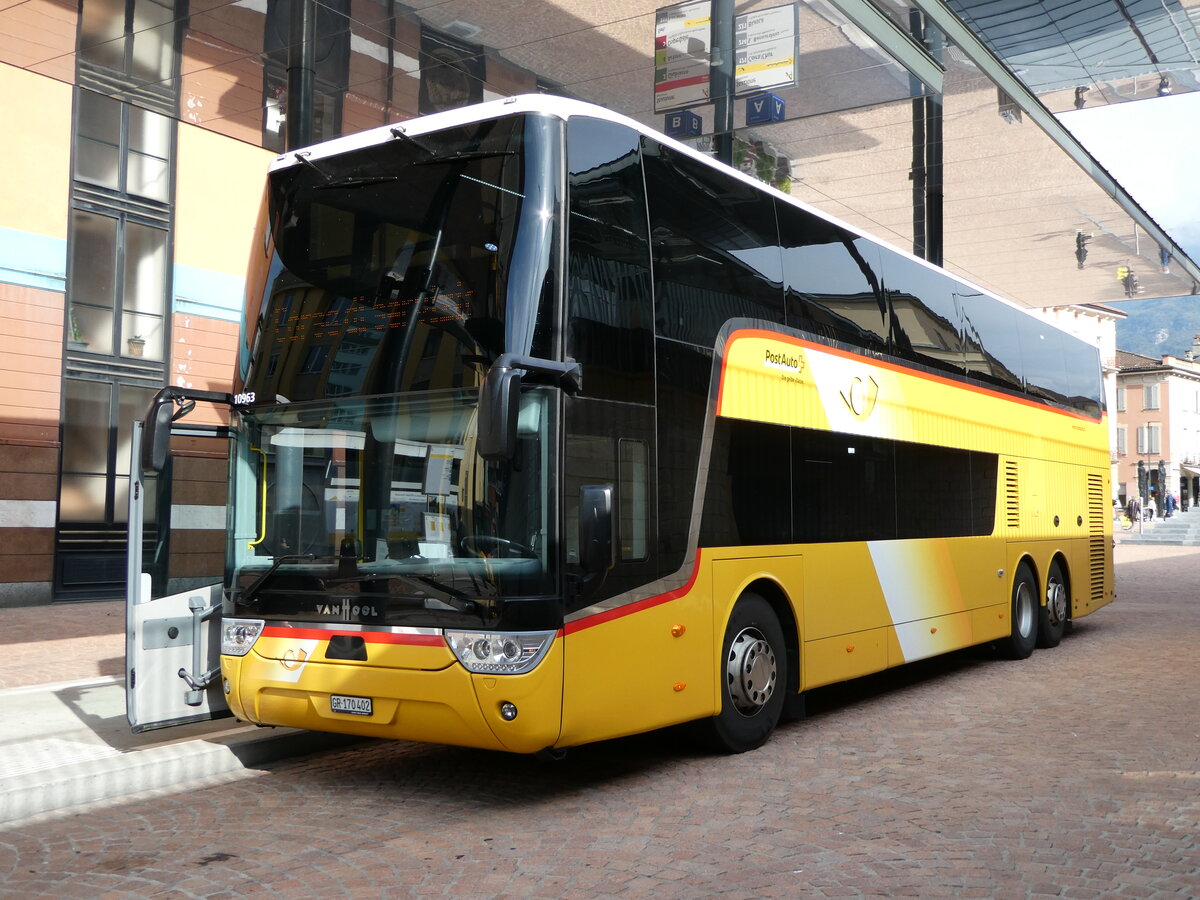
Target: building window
1150, 396
118, 285
1148, 439
118, 274
1122, 450
122, 147
133, 37
1120, 399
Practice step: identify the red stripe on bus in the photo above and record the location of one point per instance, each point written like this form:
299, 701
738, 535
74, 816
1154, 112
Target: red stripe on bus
637, 606
902, 370
370, 637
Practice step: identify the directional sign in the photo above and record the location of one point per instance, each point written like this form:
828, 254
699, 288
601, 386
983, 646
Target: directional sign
765, 108
682, 39
766, 49
682, 124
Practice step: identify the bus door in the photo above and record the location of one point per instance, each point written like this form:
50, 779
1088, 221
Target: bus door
175, 572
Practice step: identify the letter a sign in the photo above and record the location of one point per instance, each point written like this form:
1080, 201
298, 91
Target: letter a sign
764, 108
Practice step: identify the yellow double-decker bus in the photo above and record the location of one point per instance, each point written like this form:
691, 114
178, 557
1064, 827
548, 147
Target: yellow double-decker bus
549, 429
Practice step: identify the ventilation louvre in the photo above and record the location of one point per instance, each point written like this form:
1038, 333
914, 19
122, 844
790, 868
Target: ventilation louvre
1012, 494
1097, 511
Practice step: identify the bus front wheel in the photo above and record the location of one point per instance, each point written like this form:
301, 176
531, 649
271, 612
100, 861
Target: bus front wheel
1052, 617
1024, 615
753, 678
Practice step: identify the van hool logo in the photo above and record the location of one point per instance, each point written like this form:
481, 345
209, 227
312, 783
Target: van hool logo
346, 610
788, 362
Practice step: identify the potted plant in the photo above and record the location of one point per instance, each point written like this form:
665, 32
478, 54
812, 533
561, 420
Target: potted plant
76, 341
136, 345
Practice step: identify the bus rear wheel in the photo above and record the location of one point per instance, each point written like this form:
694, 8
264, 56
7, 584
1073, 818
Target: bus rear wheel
1052, 617
753, 678
1023, 612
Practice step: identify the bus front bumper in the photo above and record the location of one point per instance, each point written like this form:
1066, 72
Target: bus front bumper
446, 706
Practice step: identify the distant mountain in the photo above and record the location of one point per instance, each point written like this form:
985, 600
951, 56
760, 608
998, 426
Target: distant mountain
1159, 325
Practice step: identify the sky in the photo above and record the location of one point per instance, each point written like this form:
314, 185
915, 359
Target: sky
1152, 148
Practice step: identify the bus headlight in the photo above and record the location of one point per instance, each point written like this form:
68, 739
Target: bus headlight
239, 635
499, 652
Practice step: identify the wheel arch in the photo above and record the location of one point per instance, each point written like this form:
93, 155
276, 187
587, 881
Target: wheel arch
1064, 566
1027, 559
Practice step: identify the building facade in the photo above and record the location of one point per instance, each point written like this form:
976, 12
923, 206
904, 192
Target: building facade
1158, 428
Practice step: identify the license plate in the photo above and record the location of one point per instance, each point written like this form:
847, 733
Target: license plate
355, 706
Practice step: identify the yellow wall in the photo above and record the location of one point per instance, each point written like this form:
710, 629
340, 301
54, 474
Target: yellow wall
220, 183
35, 186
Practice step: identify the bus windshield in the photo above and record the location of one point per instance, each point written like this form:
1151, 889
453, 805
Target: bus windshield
379, 511
406, 265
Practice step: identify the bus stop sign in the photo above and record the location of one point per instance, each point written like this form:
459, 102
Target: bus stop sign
763, 109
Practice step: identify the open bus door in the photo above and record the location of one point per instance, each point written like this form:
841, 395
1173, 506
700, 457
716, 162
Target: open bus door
177, 508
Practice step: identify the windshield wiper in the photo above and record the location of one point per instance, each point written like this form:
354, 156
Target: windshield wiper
401, 135
363, 181
248, 594
463, 156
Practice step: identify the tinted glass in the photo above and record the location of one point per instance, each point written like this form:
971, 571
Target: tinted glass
831, 281
684, 376
429, 258
1042, 360
749, 497
925, 320
991, 341
716, 253
845, 487
944, 492
608, 443
610, 305
840, 487
1084, 381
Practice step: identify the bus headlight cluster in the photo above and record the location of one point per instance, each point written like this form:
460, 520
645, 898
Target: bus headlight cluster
239, 635
499, 652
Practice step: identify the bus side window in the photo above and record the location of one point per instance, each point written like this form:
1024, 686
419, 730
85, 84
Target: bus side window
1042, 358
610, 307
831, 281
926, 327
716, 248
1082, 362
633, 500
1000, 364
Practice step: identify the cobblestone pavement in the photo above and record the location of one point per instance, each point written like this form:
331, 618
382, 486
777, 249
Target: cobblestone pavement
1075, 773
65, 642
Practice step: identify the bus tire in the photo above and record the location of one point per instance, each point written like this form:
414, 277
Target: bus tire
753, 673
1053, 614
1023, 612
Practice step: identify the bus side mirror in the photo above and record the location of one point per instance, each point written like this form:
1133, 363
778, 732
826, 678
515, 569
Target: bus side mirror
597, 538
156, 436
499, 403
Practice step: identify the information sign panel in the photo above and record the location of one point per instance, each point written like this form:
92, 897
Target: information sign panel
682, 39
766, 43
